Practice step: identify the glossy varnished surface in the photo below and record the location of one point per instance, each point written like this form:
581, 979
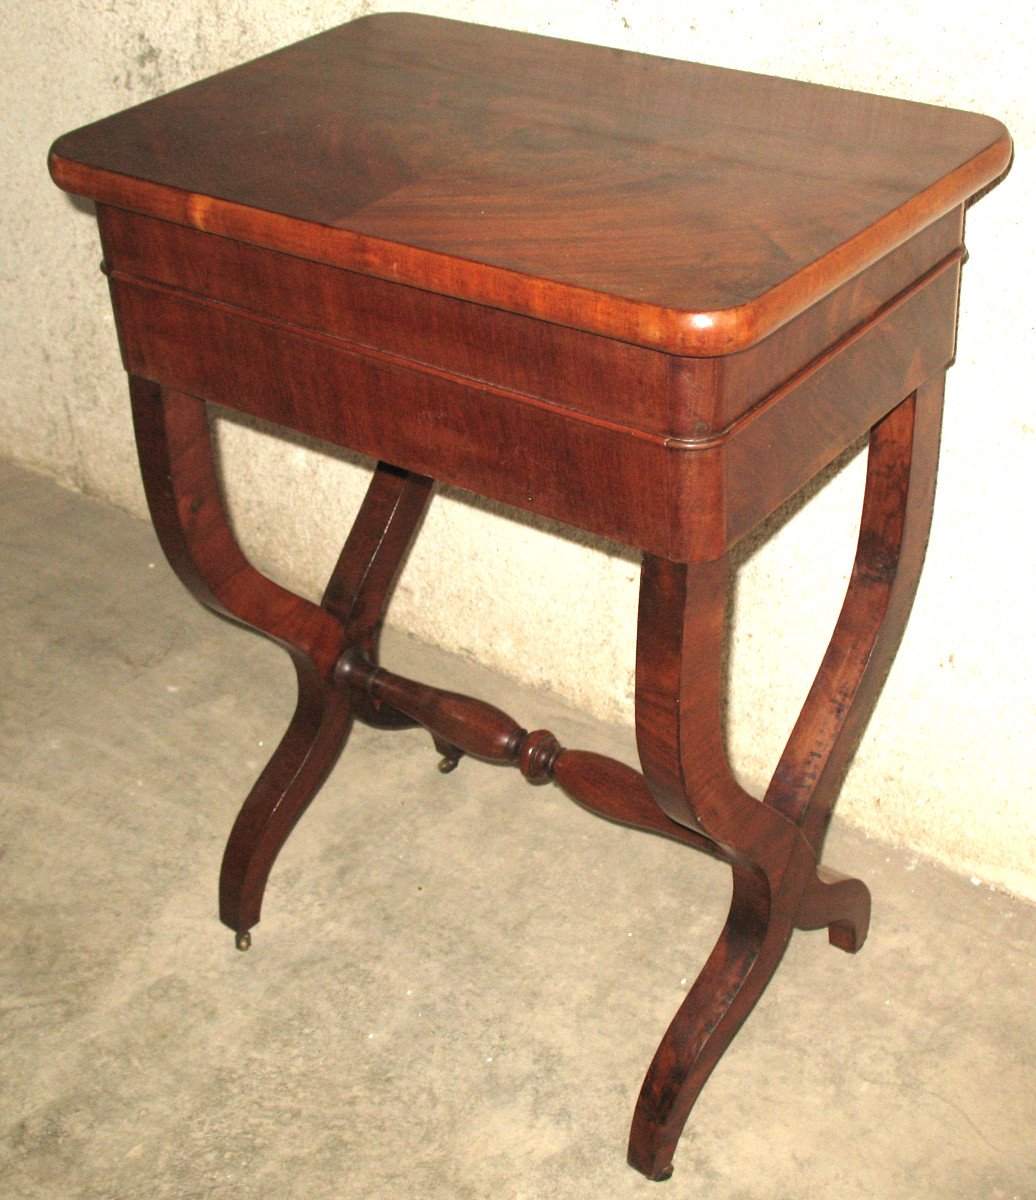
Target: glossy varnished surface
646, 298
572, 426
683, 207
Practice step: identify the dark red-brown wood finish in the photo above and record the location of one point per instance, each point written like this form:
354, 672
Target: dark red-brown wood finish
647, 298
495, 166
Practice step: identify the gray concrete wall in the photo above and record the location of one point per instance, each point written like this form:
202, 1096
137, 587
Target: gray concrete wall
947, 766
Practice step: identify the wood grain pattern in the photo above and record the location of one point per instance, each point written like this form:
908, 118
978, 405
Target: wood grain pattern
897, 512
486, 345
773, 845
837, 399
691, 399
682, 499
453, 429
707, 395
650, 299
385, 146
183, 495
685, 499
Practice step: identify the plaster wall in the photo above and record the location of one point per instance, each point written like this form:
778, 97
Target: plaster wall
946, 767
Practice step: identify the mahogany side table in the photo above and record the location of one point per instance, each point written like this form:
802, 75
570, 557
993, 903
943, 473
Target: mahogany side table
648, 298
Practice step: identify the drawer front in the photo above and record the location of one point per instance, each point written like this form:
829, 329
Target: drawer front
525, 453
565, 367
686, 499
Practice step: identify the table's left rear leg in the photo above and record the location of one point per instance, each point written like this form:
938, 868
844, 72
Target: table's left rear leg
357, 596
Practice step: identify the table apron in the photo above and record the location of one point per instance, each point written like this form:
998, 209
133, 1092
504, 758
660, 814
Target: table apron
681, 499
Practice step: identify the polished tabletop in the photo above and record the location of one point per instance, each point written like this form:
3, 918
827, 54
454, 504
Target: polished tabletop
685, 207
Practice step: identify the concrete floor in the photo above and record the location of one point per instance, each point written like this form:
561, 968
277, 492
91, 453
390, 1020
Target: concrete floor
459, 980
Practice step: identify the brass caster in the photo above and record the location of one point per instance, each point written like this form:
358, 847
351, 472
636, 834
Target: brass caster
451, 754
243, 940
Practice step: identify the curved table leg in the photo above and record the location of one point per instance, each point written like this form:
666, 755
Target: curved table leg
773, 845
734, 977
290, 780
183, 493
361, 584
679, 702
897, 516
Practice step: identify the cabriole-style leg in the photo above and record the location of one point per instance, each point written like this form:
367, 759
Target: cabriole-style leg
680, 737
687, 789
773, 846
183, 493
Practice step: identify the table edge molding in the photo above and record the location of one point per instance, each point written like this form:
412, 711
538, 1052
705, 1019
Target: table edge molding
673, 331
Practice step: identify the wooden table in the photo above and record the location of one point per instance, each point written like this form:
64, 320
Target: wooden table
647, 298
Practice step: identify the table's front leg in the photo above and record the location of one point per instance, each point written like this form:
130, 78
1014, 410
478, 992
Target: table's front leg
182, 487
679, 700
773, 846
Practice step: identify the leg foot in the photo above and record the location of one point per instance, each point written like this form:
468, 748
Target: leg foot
243, 941
724, 994
282, 793
451, 755
841, 903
